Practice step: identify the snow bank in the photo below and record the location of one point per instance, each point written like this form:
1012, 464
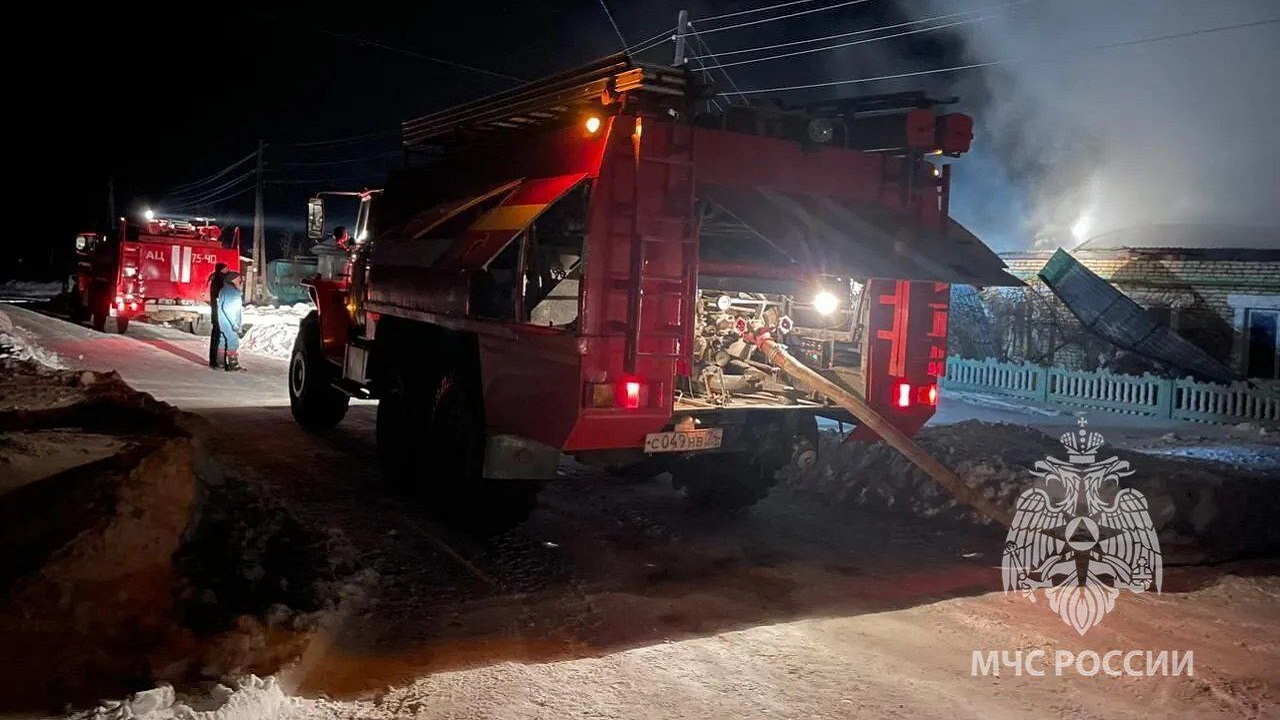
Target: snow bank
1203, 510
287, 314
27, 290
131, 554
270, 331
253, 698
273, 340
16, 345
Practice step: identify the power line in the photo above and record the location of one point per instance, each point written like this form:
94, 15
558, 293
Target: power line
326, 163
855, 81
992, 63
215, 201
707, 49
851, 43
609, 15
339, 141
707, 76
895, 26
215, 176
664, 36
784, 17
415, 54
323, 181
185, 198
753, 10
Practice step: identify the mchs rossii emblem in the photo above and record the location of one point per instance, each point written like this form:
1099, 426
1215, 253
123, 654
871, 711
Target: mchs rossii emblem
1080, 537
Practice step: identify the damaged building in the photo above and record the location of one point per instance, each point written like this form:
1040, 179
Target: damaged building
1218, 288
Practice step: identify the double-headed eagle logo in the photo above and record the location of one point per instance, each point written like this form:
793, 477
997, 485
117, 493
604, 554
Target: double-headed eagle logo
1081, 537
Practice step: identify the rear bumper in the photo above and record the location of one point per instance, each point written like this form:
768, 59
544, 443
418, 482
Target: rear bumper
158, 309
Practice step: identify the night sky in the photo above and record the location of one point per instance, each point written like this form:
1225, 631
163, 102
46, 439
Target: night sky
154, 101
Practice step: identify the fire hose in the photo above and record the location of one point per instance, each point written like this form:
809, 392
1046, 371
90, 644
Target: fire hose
807, 379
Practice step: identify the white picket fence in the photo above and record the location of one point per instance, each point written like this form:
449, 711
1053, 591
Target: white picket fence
1183, 399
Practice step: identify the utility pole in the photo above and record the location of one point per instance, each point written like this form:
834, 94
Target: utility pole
111, 202
259, 249
682, 29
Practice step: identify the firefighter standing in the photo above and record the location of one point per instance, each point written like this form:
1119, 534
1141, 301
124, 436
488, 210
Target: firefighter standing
216, 279
230, 315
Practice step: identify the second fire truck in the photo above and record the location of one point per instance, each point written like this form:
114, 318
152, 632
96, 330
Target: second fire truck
157, 268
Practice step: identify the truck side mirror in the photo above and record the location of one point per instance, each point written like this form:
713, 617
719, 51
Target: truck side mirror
315, 218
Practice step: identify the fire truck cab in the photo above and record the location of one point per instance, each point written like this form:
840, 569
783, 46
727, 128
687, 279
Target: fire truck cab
158, 268
583, 266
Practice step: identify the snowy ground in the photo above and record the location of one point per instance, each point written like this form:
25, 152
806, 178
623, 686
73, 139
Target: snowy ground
271, 331
25, 290
16, 345
615, 601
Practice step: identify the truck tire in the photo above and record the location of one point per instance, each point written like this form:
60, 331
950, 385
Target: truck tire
99, 307
122, 324
431, 442
735, 481
725, 481
315, 403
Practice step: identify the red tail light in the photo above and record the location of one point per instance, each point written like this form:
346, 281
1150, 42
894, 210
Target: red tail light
627, 394
631, 396
904, 395
927, 395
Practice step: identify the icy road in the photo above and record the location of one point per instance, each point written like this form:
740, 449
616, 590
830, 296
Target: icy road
613, 601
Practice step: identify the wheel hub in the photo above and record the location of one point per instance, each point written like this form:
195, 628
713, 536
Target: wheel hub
297, 374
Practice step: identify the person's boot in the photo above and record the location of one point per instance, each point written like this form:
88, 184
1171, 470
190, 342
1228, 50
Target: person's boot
233, 363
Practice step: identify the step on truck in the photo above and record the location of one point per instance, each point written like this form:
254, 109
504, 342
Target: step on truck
156, 268
587, 266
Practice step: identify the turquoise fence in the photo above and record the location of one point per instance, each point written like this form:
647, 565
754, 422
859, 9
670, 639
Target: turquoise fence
1182, 399
284, 279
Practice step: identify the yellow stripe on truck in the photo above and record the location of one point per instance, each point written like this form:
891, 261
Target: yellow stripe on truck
507, 217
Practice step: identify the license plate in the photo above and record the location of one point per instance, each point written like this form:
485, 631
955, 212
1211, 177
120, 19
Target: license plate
683, 440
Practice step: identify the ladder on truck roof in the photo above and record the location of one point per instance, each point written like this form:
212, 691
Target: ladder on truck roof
548, 101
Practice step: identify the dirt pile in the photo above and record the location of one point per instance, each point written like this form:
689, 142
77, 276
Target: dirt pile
131, 555
1204, 511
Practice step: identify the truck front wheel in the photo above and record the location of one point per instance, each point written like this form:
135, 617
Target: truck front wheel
315, 403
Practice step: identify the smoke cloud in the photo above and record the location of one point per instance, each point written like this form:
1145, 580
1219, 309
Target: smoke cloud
1072, 143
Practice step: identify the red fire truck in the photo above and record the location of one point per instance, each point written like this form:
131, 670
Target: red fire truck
587, 266
158, 268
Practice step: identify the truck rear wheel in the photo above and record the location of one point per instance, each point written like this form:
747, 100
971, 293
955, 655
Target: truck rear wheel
431, 442
122, 324
315, 403
734, 481
730, 481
